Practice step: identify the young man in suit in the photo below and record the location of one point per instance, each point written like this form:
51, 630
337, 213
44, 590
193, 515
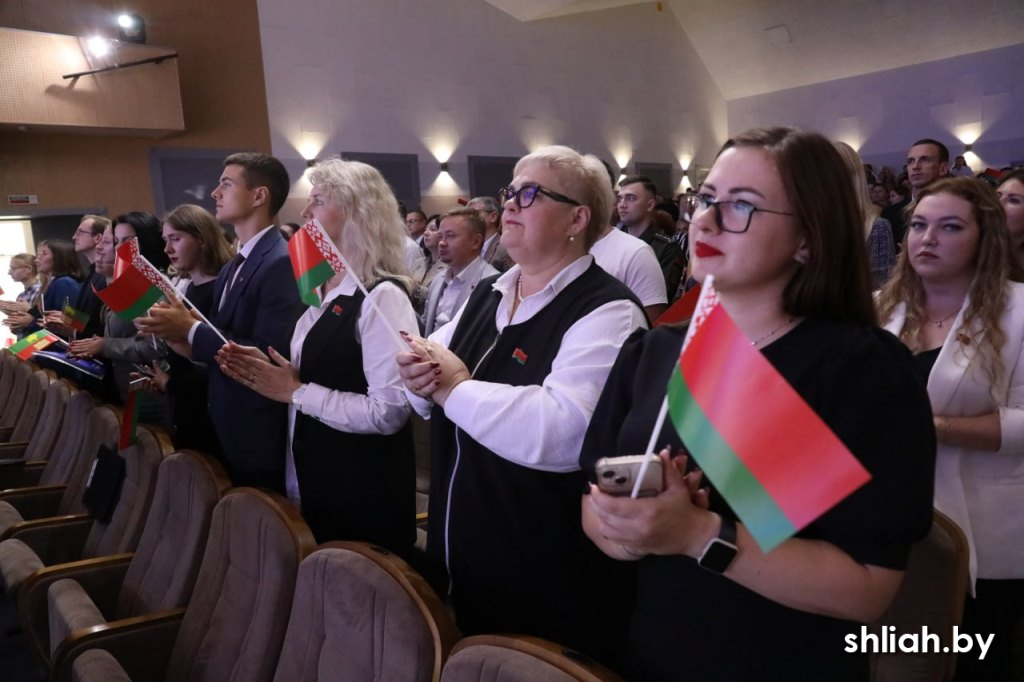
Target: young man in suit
256, 303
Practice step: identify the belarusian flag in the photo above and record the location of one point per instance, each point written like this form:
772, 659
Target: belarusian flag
772, 458
35, 341
138, 286
681, 309
129, 421
313, 261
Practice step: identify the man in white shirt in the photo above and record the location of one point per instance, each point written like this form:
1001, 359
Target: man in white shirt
493, 252
462, 238
632, 261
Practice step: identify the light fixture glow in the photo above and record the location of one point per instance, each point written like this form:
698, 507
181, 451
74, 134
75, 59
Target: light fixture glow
98, 46
969, 134
125, 21
684, 161
131, 28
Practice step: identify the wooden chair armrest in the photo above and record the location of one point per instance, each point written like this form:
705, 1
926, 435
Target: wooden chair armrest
142, 645
14, 451
39, 502
421, 520
20, 474
101, 578
57, 539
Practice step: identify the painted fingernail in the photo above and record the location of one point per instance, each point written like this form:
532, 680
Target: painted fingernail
437, 372
435, 365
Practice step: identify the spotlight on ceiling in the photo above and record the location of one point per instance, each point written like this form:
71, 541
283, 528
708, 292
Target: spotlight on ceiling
98, 46
131, 28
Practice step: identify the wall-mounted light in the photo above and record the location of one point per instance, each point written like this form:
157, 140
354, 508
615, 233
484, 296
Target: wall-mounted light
131, 28
310, 163
444, 166
968, 148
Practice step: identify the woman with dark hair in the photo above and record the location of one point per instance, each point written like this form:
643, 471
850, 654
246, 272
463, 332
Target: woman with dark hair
121, 343
952, 302
778, 225
1011, 195
61, 273
433, 266
197, 249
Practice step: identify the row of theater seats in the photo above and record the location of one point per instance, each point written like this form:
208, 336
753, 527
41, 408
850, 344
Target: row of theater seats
191, 579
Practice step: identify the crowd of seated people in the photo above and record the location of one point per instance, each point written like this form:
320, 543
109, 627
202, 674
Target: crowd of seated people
539, 358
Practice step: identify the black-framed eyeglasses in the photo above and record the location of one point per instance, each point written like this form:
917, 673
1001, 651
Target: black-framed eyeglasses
525, 195
730, 216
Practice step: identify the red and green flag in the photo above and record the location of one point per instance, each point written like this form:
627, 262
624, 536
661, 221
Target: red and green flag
36, 341
137, 284
772, 458
314, 261
129, 420
76, 319
681, 309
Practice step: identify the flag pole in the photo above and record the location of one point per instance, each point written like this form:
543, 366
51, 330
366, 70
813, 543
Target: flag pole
352, 273
705, 291
171, 292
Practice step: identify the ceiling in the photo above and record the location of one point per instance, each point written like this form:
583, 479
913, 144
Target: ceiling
751, 47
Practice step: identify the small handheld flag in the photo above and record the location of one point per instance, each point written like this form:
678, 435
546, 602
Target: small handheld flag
310, 264
34, 342
76, 319
137, 284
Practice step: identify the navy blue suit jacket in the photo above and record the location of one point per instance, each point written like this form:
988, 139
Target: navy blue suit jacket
261, 310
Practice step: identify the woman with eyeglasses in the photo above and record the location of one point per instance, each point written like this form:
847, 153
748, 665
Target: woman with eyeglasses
777, 224
23, 271
509, 384
952, 302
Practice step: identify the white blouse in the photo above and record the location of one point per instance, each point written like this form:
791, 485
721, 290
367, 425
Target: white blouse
384, 408
541, 427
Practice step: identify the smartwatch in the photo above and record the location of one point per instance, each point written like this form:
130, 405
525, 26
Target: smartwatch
297, 396
720, 551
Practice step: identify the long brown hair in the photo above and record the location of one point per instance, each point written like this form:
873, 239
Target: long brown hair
988, 293
835, 283
214, 250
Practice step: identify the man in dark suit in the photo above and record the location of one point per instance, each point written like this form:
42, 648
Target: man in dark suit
256, 303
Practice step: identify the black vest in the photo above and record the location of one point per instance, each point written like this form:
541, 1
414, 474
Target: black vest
353, 486
511, 537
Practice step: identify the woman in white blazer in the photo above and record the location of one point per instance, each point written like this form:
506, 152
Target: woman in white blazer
954, 303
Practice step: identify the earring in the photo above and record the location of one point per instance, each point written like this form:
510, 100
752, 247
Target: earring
572, 237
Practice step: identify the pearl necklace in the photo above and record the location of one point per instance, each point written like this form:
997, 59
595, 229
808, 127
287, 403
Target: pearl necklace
789, 321
519, 289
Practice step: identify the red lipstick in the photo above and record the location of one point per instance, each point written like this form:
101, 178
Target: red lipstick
702, 250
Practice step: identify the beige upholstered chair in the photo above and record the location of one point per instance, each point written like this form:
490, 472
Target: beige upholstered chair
32, 395
21, 385
55, 489
234, 625
159, 575
517, 658
32, 545
362, 614
14, 456
8, 368
933, 592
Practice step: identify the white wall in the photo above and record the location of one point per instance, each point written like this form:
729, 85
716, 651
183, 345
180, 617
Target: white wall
460, 77
979, 95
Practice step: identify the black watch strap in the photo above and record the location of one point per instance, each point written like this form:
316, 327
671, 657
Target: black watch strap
720, 551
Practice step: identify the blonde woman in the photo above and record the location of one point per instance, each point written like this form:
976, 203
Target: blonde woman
877, 231
23, 271
952, 302
350, 464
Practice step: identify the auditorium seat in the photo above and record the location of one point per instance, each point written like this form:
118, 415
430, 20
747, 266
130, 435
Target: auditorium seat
518, 658
234, 625
932, 593
14, 456
159, 575
21, 387
32, 545
56, 488
363, 614
7, 364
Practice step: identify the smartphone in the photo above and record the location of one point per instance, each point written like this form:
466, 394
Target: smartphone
617, 475
144, 370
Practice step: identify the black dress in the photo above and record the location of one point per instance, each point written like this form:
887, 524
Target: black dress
689, 623
186, 389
